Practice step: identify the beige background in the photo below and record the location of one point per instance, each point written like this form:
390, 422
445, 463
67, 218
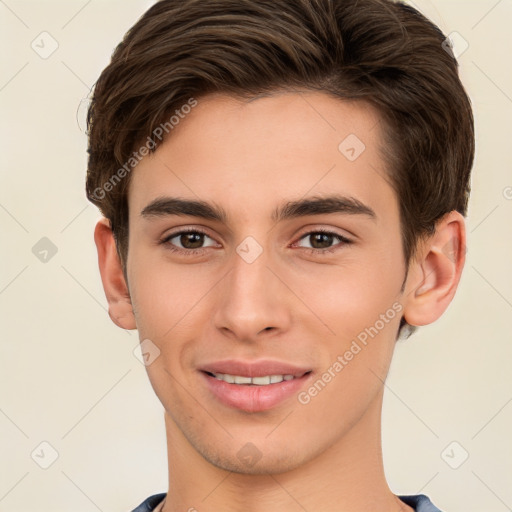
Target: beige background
69, 377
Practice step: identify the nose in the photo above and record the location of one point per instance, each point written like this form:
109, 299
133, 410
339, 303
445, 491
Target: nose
252, 300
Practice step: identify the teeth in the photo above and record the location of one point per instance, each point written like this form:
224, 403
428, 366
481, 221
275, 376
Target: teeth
241, 380
229, 378
263, 381
257, 381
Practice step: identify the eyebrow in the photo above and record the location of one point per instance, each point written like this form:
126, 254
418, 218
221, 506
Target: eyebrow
165, 206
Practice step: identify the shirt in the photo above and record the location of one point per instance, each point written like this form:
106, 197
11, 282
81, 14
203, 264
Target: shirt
419, 502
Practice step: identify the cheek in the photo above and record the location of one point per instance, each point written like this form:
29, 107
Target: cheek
360, 304
351, 297
356, 357
165, 294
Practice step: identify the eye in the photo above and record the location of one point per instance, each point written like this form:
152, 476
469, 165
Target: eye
321, 241
192, 241
187, 241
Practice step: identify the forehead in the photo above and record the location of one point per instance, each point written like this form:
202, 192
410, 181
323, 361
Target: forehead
250, 155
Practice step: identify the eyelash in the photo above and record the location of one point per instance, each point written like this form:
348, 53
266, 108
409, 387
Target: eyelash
194, 252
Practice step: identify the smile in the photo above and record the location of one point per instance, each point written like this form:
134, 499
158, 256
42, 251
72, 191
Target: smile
256, 381
254, 394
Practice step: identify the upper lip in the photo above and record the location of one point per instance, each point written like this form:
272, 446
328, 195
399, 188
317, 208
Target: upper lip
254, 368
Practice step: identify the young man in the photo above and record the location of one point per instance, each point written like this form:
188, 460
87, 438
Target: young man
283, 184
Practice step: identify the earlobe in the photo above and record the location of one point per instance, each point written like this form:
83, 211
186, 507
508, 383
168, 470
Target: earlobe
436, 272
120, 307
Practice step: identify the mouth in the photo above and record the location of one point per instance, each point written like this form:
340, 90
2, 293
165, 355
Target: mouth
264, 380
257, 393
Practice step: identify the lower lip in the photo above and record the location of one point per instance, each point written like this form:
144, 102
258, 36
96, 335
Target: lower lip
251, 397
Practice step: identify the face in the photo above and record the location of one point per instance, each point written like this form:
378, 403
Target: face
291, 265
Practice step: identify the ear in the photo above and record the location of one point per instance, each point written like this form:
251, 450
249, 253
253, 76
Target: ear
120, 307
435, 273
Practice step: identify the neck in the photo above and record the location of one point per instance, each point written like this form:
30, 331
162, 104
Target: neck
349, 476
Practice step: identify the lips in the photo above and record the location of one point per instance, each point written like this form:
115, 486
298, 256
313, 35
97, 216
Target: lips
251, 397
255, 368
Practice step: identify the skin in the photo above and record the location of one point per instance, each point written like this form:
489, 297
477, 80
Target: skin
288, 305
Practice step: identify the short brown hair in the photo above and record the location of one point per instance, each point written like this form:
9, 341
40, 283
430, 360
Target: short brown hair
379, 51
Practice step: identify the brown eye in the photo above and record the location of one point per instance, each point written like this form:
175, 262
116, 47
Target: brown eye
191, 241
322, 242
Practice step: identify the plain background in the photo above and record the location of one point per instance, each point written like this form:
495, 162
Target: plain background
70, 378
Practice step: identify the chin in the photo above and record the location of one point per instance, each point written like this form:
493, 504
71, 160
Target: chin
264, 466
250, 460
